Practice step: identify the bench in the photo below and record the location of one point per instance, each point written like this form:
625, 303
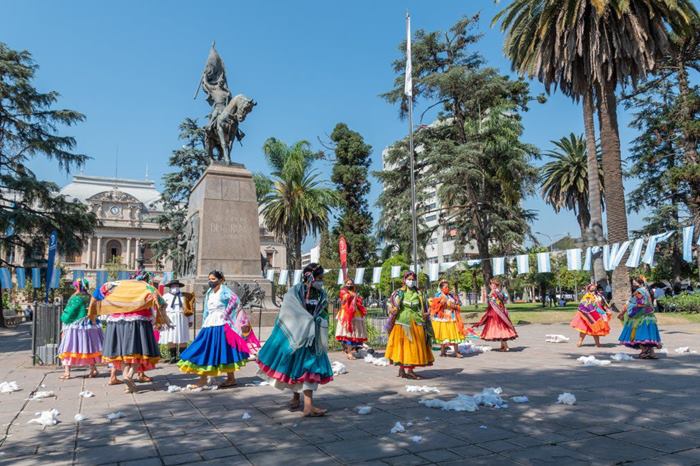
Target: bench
13, 320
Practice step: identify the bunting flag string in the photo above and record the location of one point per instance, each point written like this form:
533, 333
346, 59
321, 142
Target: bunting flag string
523, 263
688, 233
499, 265
573, 259
635, 254
21, 276
359, 276
376, 275
543, 263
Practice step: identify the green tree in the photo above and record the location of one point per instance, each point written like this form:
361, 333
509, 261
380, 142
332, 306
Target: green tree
473, 152
587, 49
564, 179
299, 204
190, 161
31, 208
350, 175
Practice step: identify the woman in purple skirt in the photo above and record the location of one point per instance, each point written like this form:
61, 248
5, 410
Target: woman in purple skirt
81, 342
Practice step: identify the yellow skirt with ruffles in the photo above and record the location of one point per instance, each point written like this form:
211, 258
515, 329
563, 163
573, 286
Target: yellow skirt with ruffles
447, 332
407, 346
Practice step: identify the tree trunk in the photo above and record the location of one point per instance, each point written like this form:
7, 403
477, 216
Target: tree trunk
614, 189
596, 235
482, 245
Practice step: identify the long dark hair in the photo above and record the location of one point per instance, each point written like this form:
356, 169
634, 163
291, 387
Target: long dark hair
217, 274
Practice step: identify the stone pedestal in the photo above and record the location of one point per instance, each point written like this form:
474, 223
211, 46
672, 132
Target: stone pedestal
223, 218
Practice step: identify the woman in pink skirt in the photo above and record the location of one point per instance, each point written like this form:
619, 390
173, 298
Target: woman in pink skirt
496, 322
82, 339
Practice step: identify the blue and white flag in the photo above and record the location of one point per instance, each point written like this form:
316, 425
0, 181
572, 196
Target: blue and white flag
78, 274
573, 259
53, 245
167, 277
651, 246
360, 276
376, 275
473, 262
340, 277
688, 233
543, 265
5, 278
56, 278
124, 275
36, 278
606, 257
635, 254
296, 278
434, 272
499, 265
270, 276
445, 266
395, 271
617, 252
523, 263
408, 78
21, 276
282, 280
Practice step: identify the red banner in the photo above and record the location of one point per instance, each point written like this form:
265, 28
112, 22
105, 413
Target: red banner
343, 253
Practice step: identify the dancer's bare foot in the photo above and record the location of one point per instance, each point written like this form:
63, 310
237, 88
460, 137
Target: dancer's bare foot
115, 381
314, 412
402, 373
64, 376
143, 378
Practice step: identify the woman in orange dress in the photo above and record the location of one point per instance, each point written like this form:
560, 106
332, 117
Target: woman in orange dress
592, 316
446, 317
496, 322
350, 329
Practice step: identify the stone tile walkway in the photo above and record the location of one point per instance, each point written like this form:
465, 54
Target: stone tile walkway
634, 412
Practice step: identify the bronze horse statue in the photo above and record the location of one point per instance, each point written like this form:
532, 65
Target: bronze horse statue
223, 130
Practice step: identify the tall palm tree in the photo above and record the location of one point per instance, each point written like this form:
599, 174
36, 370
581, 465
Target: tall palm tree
587, 48
564, 179
298, 204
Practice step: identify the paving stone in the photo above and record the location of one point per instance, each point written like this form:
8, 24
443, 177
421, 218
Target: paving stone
408, 460
606, 449
661, 441
142, 462
362, 450
220, 453
438, 455
309, 455
184, 458
547, 454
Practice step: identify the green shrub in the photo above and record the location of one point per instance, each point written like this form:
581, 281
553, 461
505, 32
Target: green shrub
684, 302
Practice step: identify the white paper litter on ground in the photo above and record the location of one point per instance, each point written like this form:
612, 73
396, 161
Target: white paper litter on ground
246, 415
376, 361
9, 387
566, 399
421, 389
87, 394
174, 388
483, 427
470, 348
115, 416
663, 351
46, 418
363, 410
556, 339
417, 439
519, 399
257, 383
621, 357
79, 417
42, 395
592, 361
489, 397
338, 368
682, 349
398, 427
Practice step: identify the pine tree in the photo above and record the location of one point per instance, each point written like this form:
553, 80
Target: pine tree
350, 175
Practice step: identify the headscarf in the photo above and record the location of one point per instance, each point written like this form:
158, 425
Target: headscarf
81, 285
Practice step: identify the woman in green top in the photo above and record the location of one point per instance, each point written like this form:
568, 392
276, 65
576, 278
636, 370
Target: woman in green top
81, 338
409, 343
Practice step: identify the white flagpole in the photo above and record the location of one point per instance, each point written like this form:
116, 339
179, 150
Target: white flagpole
408, 90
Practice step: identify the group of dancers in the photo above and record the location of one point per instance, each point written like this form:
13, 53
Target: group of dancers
295, 356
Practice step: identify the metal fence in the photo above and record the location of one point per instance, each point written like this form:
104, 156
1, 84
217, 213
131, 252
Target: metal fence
46, 333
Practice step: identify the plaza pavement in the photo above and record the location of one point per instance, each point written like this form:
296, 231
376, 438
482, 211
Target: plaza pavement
635, 412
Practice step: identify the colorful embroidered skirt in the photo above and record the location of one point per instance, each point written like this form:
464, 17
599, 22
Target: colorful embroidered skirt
356, 337
285, 370
447, 332
408, 346
497, 330
641, 331
81, 344
583, 324
131, 342
216, 350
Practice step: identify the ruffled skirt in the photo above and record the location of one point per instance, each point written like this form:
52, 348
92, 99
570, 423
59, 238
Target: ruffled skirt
599, 328
358, 334
215, 351
131, 342
81, 344
641, 332
284, 370
408, 346
447, 332
180, 333
497, 330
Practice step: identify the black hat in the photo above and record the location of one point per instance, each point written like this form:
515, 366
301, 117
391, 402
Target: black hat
174, 283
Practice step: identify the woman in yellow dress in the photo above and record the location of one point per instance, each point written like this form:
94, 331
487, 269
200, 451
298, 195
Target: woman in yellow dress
409, 329
446, 318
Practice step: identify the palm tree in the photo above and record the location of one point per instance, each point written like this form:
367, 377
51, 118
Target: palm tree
564, 179
297, 204
587, 48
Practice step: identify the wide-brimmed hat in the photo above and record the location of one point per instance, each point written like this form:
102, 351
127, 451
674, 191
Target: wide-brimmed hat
172, 283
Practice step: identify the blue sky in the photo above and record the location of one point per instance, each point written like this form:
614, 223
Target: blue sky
132, 68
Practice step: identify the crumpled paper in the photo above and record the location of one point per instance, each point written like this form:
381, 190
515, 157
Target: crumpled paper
592, 361
566, 398
338, 368
9, 387
398, 427
489, 397
421, 389
46, 418
555, 339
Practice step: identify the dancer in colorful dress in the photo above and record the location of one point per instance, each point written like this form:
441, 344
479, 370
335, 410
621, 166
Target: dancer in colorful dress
242, 326
180, 311
82, 339
409, 344
496, 321
640, 330
592, 316
217, 349
296, 354
350, 328
130, 343
446, 317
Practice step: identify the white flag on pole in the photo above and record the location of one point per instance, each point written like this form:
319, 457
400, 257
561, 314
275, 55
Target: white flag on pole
499, 265
543, 265
635, 253
340, 277
270, 274
360, 276
297, 277
376, 275
648, 257
395, 271
617, 252
688, 243
282, 281
408, 83
434, 272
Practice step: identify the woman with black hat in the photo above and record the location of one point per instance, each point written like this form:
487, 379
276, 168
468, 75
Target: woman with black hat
180, 310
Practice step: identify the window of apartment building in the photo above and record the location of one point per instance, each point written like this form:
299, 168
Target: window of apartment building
430, 218
447, 258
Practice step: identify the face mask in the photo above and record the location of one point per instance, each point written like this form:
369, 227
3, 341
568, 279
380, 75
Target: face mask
410, 283
175, 290
318, 285
445, 289
212, 284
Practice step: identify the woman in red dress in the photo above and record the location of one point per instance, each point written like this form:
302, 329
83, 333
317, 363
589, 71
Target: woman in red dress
496, 322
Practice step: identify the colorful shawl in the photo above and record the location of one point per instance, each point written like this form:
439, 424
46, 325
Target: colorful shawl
350, 303
640, 301
445, 306
301, 327
227, 297
497, 304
